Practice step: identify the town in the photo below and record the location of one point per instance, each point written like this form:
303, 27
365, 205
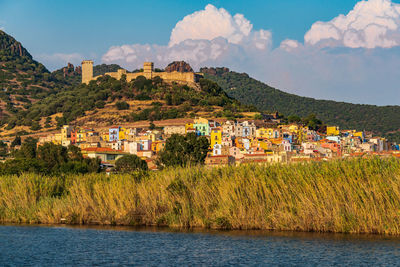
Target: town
231, 142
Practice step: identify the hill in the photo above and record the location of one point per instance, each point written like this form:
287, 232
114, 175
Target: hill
108, 101
23, 80
381, 120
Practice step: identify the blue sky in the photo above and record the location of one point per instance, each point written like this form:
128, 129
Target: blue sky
281, 42
92, 26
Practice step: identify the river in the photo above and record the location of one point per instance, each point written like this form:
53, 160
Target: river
107, 246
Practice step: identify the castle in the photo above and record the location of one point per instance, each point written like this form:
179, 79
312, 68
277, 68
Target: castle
148, 72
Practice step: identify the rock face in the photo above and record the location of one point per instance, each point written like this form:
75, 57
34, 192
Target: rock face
69, 70
12, 47
214, 71
179, 66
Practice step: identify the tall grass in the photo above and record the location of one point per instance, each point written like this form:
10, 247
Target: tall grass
350, 196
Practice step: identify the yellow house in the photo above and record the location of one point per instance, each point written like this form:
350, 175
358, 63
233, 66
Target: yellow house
259, 143
261, 133
359, 134
57, 139
122, 133
105, 136
188, 126
81, 136
293, 128
66, 132
332, 130
216, 137
157, 146
263, 145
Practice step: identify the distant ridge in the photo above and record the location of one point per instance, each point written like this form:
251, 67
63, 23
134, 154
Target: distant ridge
381, 120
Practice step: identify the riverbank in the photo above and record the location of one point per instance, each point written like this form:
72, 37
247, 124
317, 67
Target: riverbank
344, 196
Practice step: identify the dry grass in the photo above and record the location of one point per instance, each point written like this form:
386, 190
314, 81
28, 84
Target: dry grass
352, 196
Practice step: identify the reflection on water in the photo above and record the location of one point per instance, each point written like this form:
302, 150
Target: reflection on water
66, 245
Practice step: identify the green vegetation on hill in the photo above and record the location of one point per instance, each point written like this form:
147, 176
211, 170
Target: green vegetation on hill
22, 80
74, 101
347, 196
381, 120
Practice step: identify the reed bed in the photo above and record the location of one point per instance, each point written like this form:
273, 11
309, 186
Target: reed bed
346, 196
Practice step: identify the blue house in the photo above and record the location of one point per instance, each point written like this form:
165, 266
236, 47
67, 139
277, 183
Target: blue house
113, 134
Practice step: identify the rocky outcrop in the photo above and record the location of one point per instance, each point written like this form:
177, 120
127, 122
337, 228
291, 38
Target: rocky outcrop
214, 71
179, 66
70, 70
11, 46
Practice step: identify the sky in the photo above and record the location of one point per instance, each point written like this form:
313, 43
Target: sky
342, 50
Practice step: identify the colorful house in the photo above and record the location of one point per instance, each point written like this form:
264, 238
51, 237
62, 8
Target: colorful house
66, 132
332, 130
105, 136
113, 134
216, 137
202, 127
217, 150
157, 146
104, 153
189, 128
121, 133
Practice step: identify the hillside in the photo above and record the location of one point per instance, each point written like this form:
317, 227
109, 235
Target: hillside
23, 80
108, 101
381, 120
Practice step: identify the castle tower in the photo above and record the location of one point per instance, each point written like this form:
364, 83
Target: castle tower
148, 69
87, 71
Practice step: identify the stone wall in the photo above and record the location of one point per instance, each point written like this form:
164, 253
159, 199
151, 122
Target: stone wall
175, 76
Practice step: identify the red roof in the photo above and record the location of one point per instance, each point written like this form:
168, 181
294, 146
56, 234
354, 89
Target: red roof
100, 149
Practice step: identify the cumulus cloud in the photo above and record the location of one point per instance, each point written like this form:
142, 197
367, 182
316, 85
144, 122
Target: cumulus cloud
204, 37
289, 45
371, 24
54, 61
211, 23
326, 66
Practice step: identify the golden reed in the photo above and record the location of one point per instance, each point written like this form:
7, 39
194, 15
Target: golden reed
347, 196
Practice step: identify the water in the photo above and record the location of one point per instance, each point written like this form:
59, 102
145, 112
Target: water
55, 246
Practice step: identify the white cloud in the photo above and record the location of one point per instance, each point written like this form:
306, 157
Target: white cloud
204, 37
209, 24
56, 60
371, 24
213, 37
289, 45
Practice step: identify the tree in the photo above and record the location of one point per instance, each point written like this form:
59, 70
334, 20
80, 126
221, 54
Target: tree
122, 105
74, 153
130, 163
182, 150
28, 149
293, 118
3, 149
52, 155
16, 141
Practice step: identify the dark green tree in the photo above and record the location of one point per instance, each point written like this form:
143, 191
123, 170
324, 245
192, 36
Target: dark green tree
122, 105
182, 150
28, 149
130, 163
16, 141
52, 155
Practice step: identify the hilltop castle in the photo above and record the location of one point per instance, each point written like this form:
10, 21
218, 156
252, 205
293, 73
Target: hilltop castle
148, 72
